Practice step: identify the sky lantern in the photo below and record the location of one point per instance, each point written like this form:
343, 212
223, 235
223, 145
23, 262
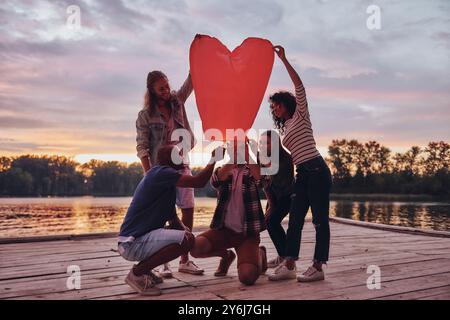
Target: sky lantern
229, 86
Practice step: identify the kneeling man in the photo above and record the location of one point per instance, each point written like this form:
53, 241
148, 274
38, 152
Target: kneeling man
142, 236
237, 221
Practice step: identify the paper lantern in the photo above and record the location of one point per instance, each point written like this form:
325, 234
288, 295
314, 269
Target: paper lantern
229, 86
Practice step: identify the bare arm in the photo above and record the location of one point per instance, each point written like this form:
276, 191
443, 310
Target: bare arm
200, 179
292, 73
197, 181
300, 94
176, 223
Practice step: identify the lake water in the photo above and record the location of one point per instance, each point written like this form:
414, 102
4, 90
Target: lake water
51, 216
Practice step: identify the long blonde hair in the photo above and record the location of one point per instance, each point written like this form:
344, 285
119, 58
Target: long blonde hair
150, 97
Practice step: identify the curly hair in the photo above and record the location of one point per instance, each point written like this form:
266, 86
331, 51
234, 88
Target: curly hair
287, 99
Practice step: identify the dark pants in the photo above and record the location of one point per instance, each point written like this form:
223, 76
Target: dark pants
279, 208
312, 189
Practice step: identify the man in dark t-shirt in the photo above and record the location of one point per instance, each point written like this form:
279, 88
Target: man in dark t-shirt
153, 203
143, 236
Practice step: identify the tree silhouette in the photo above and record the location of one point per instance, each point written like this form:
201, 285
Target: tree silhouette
357, 168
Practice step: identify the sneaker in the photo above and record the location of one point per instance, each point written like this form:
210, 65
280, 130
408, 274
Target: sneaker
144, 284
312, 274
275, 262
283, 273
165, 271
225, 264
263, 259
155, 278
190, 267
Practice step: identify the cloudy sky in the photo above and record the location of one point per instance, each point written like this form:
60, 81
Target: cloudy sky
78, 92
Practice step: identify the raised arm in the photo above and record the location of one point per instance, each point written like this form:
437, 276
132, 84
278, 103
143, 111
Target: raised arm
186, 89
292, 73
300, 94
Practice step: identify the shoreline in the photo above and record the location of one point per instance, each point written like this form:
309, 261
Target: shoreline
362, 224
333, 197
387, 197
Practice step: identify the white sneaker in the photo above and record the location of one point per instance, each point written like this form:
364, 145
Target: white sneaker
165, 272
190, 267
312, 274
275, 262
283, 273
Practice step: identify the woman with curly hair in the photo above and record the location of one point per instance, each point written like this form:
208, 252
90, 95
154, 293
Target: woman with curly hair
312, 183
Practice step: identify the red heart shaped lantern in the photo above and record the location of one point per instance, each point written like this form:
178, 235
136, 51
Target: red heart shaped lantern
229, 86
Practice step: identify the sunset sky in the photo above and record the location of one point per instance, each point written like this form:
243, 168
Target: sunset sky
78, 92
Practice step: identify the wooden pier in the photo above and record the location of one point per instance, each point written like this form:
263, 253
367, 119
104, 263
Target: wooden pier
413, 266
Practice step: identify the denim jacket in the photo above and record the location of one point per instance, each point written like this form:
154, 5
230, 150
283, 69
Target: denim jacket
151, 128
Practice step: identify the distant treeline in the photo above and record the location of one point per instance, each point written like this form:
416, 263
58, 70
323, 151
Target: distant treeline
362, 168
371, 168
31, 175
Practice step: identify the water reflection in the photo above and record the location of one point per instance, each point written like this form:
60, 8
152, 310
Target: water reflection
412, 214
48, 216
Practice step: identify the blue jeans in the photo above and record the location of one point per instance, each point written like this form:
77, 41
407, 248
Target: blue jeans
312, 189
149, 244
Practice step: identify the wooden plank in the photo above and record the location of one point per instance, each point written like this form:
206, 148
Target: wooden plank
395, 287
439, 296
443, 291
335, 286
413, 267
98, 290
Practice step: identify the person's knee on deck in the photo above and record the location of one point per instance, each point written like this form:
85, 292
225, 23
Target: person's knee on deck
201, 247
248, 273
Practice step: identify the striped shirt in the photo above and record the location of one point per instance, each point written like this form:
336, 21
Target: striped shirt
298, 135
